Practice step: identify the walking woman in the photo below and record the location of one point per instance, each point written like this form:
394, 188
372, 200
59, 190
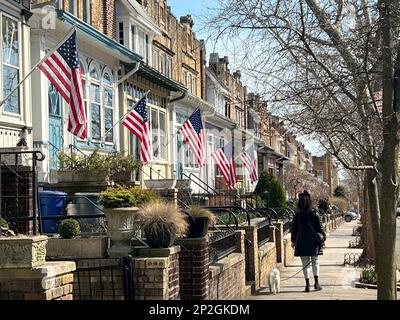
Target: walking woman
307, 230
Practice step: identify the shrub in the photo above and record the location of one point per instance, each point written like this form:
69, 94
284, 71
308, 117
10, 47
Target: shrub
341, 203
126, 197
69, 229
3, 223
263, 184
198, 211
276, 194
323, 204
160, 215
368, 275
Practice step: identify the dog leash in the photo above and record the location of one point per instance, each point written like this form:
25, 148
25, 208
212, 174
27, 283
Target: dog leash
292, 276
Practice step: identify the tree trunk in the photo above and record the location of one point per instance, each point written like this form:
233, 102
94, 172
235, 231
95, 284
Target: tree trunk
386, 258
367, 235
373, 206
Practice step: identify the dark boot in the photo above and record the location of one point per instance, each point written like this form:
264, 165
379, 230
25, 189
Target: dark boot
317, 287
307, 285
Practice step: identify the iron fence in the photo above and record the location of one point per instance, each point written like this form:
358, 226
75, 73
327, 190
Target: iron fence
19, 188
113, 281
263, 232
286, 226
221, 243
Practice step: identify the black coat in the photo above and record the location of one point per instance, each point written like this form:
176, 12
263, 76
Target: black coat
302, 235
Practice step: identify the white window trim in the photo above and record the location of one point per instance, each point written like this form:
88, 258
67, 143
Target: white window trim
158, 109
88, 99
16, 116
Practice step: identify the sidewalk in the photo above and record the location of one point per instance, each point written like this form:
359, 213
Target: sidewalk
336, 280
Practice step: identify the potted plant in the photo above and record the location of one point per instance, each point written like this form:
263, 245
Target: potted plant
162, 222
122, 216
121, 167
79, 168
202, 219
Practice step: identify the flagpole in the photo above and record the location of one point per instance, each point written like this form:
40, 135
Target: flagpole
37, 65
109, 130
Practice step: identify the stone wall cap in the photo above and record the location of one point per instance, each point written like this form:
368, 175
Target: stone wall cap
49, 269
156, 252
225, 263
22, 238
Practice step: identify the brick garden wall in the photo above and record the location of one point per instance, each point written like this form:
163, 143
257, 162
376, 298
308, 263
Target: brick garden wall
288, 250
50, 281
225, 278
267, 261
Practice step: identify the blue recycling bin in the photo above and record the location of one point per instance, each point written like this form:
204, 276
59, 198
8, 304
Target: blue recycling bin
52, 203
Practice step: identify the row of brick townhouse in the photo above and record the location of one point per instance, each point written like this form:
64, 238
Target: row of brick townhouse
128, 47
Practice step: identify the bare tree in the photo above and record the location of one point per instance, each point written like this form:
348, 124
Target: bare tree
320, 64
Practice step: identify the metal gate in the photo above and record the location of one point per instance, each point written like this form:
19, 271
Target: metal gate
113, 281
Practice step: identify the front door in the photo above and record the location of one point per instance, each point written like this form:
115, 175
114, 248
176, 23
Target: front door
55, 128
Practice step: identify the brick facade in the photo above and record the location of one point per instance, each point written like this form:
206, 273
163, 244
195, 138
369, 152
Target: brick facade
194, 266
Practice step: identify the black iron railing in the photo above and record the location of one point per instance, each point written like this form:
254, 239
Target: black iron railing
263, 232
113, 281
286, 226
19, 187
221, 244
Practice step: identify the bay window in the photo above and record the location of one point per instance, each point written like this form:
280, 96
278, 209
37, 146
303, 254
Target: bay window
98, 98
10, 63
157, 121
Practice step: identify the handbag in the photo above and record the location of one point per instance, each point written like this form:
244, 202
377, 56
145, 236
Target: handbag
319, 237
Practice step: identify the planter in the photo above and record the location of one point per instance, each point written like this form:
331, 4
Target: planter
160, 184
161, 239
77, 248
82, 176
183, 184
198, 228
122, 225
22, 251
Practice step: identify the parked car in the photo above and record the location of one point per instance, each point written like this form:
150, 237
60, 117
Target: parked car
349, 216
398, 212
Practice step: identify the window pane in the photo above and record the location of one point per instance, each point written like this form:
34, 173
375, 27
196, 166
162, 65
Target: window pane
94, 74
95, 108
108, 122
162, 136
10, 41
108, 96
154, 132
95, 93
107, 79
10, 81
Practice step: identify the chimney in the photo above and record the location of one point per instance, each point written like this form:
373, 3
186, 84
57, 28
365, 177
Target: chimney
187, 19
214, 62
237, 74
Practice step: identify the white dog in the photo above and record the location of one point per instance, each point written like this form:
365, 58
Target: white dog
274, 281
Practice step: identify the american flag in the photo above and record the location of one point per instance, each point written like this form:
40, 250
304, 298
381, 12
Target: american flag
226, 164
137, 121
194, 133
251, 165
63, 69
